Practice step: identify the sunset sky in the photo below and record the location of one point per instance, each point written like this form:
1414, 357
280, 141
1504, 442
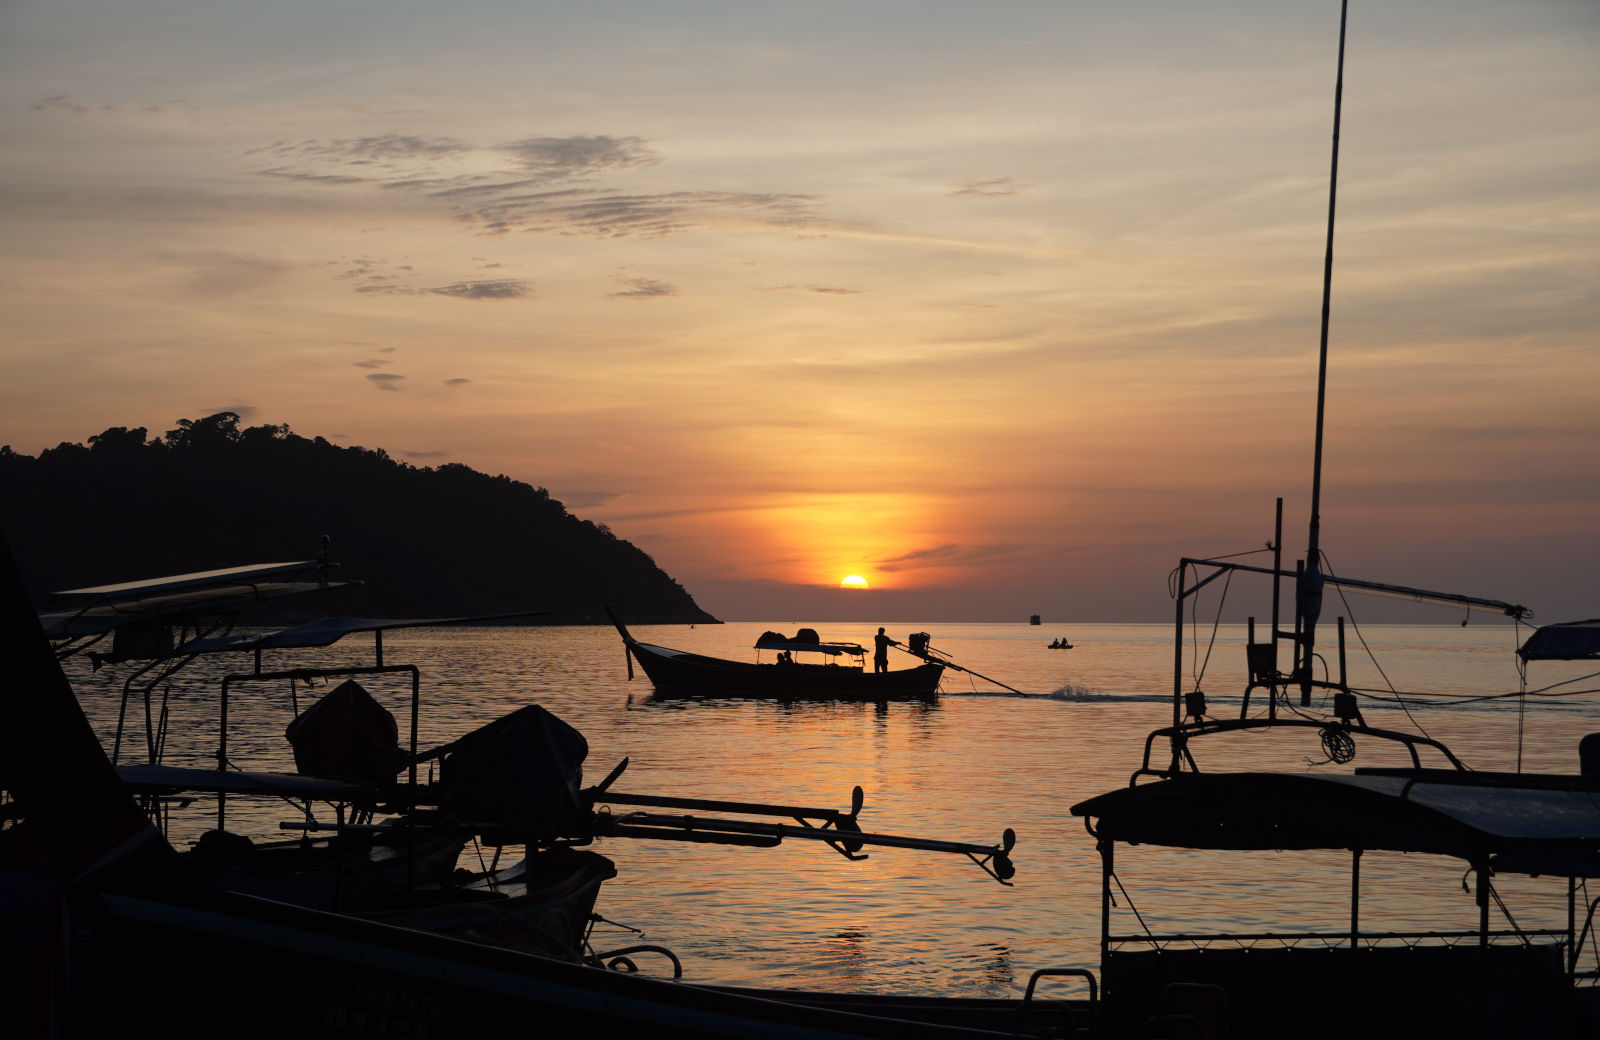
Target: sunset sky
1001, 306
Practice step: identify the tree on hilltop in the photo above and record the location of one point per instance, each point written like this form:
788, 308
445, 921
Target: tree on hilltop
427, 542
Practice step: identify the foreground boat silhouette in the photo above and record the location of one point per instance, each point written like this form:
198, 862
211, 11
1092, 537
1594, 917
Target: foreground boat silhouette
1499, 980
101, 920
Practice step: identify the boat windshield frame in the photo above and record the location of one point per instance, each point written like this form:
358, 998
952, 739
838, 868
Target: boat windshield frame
1192, 717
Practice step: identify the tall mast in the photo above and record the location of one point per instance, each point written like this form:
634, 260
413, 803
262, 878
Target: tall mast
1308, 594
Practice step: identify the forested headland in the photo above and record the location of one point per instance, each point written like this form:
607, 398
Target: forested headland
424, 541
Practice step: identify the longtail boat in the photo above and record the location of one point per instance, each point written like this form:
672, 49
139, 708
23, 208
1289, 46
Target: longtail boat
802, 667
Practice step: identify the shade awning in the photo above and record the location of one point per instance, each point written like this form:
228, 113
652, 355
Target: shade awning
97, 617
1568, 641
832, 649
158, 779
327, 631
1400, 811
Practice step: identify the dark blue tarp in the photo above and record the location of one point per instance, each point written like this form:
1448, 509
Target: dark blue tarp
1569, 641
521, 775
347, 735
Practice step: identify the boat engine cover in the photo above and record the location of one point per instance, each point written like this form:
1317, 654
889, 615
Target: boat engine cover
347, 735
521, 775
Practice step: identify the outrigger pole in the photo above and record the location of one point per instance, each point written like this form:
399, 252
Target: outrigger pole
838, 829
930, 654
1308, 584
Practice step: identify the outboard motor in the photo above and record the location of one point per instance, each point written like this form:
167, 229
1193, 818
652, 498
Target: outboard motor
917, 643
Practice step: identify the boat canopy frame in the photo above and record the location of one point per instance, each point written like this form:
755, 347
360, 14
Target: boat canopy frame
1190, 712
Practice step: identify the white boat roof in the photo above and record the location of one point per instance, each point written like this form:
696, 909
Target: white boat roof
103, 617
248, 574
327, 631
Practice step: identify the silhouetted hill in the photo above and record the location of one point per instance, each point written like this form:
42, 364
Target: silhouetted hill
427, 542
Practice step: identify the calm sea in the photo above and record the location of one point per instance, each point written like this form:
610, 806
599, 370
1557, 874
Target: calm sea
963, 768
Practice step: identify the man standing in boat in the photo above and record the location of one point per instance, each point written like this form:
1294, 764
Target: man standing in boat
880, 656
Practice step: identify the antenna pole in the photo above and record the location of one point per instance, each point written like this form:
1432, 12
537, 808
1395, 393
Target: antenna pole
1309, 593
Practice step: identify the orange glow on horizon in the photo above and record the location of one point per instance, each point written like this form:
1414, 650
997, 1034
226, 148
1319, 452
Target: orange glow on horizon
811, 539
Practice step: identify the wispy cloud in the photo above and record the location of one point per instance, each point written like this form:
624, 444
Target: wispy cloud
993, 188
383, 146
613, 214
225, 274
58, 103
645, 289
557, 157
825, 290
535, 194
949, 554
457, 381
590, 499
313, 178
386, 380
503, 289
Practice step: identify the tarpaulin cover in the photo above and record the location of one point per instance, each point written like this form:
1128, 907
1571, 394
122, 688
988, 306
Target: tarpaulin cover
1467, 815
522, 774
1570, 641
349, 735
807, 641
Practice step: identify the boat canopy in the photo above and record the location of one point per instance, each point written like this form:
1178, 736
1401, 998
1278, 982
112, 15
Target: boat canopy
806, 641
252, 573
104, 608
325, 632
160, 779
1568, 641
832, 649
1524, 820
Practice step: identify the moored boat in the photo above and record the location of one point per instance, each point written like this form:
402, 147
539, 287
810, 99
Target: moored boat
369, 843
1456, 828
100, 916
1499, 844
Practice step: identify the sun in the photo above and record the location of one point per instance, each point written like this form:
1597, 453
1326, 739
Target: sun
854, 581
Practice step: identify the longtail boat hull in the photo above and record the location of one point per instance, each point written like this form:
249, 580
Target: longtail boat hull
676, 673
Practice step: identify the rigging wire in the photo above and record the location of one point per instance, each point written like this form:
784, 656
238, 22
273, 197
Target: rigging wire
1216, 623
1175, 591
1522, 715
1594, 935
1356, 626
1451, 700
1129, 900
1522, 699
